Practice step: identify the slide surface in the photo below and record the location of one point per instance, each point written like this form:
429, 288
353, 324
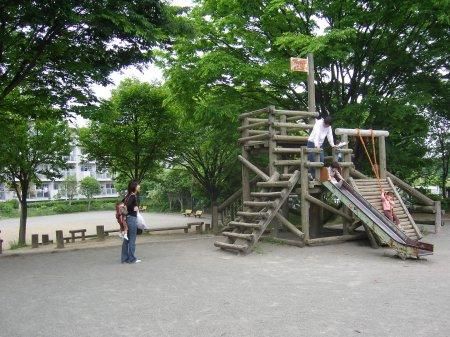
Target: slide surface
386, 231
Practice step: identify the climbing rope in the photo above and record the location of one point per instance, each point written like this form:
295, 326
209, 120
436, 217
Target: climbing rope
373, 164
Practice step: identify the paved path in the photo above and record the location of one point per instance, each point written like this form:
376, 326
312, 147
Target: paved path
89, 220
188, 288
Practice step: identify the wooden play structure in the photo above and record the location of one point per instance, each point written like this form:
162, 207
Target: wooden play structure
275, 177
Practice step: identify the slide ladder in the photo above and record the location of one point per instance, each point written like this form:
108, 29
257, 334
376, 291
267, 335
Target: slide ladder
248, 227
385, 231
370, 190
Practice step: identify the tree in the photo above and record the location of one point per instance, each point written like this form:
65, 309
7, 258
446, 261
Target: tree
69, 187
60, 48
133, 132
31, 148
367, 56
89, 187
209, 156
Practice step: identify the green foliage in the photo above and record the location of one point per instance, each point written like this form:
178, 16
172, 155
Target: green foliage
69, 187
7, 208
13, 245
89, 187
133, 132
59, 48
31, 147
378, 64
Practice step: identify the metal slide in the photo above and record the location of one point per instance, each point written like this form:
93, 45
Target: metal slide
386, 231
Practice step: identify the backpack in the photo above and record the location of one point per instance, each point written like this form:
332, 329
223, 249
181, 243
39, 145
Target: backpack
121, 212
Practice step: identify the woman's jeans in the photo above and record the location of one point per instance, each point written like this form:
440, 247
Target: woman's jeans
312, 157
129, 246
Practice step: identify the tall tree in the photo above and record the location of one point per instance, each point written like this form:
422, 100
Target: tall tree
133, 132
61, 47
31, 148
209, 156
366, 55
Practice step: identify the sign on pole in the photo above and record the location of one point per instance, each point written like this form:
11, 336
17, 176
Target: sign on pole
299, 64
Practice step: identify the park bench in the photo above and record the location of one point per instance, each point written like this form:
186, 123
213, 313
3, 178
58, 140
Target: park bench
109, 231
198, 226
73, 235
198, 214
187, 212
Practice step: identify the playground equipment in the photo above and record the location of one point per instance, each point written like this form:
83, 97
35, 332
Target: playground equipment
280, 136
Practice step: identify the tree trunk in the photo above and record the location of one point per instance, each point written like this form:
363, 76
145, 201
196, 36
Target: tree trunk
23, 214
89, 204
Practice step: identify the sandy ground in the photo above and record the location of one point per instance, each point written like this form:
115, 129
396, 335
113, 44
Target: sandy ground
186, 287
88, 220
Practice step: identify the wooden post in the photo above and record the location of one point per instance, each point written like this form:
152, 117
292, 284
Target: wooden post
304, 192
438, 219
382, 159
1, 245
272, 144
59, 239
245, 170
100, 233
34, 240
45, 240
215, 219
311, 86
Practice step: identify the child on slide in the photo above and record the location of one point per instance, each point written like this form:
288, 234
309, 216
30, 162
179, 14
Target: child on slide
335, 172
387, 200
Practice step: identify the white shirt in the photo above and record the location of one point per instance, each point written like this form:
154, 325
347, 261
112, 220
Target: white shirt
319, 132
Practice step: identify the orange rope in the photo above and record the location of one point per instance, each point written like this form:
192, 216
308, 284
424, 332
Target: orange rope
372, 164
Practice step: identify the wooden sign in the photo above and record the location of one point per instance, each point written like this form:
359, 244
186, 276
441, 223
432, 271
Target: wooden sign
298, 64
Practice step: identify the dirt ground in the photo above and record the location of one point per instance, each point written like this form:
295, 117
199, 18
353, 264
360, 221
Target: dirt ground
186, 287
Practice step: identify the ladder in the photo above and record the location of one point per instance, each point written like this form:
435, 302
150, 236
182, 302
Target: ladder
247, 228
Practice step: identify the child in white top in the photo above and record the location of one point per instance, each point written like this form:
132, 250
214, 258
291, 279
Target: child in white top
321, 129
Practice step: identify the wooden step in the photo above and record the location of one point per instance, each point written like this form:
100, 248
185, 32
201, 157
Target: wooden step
266, 194
248, 237
230, 246
244, 224
269, 184
258, 215
270, 204
286, 176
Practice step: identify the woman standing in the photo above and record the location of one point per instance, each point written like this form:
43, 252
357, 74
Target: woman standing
129, 246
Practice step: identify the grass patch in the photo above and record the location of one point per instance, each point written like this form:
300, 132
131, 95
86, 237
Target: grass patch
15, 245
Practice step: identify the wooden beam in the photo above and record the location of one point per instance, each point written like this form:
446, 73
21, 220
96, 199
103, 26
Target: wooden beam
255, 137
253, 113
358, 175
382, 156
362, 132
290, 226
304, 203
320, 203
249, 126
336, 239
254, 168
410, 190
296, 113
293, 125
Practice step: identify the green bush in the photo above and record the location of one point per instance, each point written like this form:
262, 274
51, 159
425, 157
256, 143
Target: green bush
7, 208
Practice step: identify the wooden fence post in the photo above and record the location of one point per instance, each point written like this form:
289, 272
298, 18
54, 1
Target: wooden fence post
100, 233
59, 239
45, 240
215, 219
382, 152
34, 240
438, 219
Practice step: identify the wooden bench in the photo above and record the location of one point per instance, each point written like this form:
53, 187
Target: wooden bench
109, 231
187, 212
160, 229
198, 214
73, 235
198, 226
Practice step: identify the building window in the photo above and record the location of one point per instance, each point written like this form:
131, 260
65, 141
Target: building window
43, 191
108, 189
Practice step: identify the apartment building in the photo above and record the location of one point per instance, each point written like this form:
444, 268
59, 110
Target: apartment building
78, 167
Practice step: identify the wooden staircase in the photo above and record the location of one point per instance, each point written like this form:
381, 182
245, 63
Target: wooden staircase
250, 224
370, 190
